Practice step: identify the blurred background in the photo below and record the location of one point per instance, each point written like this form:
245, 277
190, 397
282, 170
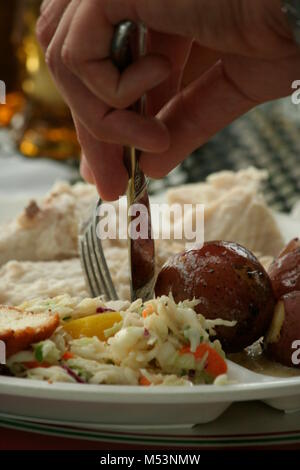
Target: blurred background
38, 142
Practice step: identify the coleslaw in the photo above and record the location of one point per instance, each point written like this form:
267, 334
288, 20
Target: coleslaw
154, 343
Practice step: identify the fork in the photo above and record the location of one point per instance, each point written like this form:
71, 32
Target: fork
126, 45
95, 269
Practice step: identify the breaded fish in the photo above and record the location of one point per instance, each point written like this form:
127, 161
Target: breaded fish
20, 329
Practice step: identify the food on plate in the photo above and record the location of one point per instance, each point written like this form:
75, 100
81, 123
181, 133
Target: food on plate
19, 329
48, 229
167, 340
93, 325
285, 270
283, 338
25, 280
157, 343
235, 209
254, 358
229, 283
38, 250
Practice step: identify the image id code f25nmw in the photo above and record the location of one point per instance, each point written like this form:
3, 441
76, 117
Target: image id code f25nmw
2, 92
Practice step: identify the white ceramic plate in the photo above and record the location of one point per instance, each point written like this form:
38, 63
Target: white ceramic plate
243, 425
123, 405
133, 405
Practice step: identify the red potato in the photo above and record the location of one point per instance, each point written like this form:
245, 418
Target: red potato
229, 282
285, 270
283, 338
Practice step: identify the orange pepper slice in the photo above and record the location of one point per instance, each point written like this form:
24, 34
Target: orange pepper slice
93, 325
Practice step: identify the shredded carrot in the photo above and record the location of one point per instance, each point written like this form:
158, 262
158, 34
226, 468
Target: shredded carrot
144, 381
147, 311
215, 364
185, 350
68, 355
34, 364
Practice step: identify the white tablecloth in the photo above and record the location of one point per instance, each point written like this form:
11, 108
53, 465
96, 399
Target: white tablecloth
20, 176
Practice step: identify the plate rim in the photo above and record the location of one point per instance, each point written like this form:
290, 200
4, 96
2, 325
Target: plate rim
264, 390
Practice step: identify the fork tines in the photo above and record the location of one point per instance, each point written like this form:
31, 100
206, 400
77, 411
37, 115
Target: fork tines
94, 263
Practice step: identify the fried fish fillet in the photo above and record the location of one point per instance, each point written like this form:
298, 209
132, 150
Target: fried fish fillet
20, 329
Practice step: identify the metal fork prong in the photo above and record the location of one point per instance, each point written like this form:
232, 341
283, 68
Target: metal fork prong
93, 260
104, 272
96, 271
97, 287
86, 264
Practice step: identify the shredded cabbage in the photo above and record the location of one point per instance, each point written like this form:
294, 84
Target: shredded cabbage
46, 351
145, 349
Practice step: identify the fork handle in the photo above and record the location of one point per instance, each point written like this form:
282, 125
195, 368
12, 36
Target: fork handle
128, 45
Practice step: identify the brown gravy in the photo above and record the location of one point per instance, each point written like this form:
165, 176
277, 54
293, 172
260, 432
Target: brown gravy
253, 358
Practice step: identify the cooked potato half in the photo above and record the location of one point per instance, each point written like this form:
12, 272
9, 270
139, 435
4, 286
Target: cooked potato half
230, 284
283, 338
285, 270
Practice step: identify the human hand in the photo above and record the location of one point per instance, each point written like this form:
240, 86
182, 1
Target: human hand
243, 55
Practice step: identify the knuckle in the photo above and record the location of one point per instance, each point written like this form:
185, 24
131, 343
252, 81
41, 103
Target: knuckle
52, 60
43, 31
69, 57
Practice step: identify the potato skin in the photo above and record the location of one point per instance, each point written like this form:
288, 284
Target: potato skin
281, 350
285, 270
230, 283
